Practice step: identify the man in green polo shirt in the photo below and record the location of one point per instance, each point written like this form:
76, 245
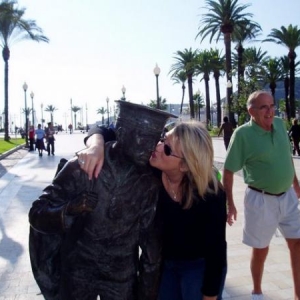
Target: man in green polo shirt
261, 148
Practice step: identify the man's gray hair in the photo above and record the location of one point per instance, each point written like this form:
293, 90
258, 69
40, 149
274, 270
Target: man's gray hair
253, 96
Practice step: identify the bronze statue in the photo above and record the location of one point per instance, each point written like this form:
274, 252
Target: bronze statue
86, 234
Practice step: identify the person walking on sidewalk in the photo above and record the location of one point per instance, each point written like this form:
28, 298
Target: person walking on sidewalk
227, 129
50, 138
261, 148
294, 133
31, 135
40, 135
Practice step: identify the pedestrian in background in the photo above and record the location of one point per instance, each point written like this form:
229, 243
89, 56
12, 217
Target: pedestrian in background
227, 130
31, 135
294, 133
261, 148
40, 135
50, 139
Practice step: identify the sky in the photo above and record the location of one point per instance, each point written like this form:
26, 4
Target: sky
97, 46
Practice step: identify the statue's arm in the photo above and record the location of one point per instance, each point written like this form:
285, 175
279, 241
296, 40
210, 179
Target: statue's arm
55, 210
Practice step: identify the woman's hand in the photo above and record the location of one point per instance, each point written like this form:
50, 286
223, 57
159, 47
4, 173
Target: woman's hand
91, 159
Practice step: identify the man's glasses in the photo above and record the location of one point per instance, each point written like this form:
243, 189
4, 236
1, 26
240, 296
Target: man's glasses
167, 149
266, 107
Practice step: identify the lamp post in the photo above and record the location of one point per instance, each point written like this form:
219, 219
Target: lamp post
156, 73
32, 108
42, 121
123, 92
25, 87
228, 98
107, 102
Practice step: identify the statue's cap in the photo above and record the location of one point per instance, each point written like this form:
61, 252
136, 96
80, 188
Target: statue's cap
142, 117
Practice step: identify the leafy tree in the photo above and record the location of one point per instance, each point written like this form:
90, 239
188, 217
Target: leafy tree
243, 32
199, 103
272, 73
185, 61
75, 109
163, 104
222, 18
51, 109
14, 27
253, 60
101, 111
239, 105
180, 78
204, 66
290, 38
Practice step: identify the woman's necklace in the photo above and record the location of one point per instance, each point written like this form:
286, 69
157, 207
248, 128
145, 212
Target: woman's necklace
174, 194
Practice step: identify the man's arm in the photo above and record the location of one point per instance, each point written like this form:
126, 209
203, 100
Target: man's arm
228, 185
296, 182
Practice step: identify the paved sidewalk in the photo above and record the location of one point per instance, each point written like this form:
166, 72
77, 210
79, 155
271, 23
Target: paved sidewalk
24, 182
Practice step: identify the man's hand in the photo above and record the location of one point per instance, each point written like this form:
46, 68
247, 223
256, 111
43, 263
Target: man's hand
231, 214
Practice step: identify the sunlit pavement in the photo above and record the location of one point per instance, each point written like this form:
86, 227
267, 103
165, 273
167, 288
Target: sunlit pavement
24, 182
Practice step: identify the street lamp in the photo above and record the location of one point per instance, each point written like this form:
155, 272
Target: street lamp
123, 92
42, 106
32, 95
156, 73
107, 102
228, 98
25, 87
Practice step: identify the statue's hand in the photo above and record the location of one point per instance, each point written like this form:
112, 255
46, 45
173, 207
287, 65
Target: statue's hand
85, 202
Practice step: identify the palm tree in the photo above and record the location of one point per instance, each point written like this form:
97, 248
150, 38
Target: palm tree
272, 73
223, 17
162, 103
51, 109
75, 109
218, 66
14, 27
243, 32
101, 111
180, 78
204, 67
290, 38
185, 61
253, 60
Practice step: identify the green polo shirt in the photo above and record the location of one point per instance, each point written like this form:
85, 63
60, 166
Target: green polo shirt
264, 156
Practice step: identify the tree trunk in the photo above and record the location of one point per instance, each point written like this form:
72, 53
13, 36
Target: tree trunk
287, 104
292, 56
218, 97
191, 100
183, 90
240, 51
207, 99
227, 41
6, 55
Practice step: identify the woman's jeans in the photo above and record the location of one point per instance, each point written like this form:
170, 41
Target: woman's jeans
182, 280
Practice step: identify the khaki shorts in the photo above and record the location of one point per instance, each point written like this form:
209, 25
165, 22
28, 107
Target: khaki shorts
265, 213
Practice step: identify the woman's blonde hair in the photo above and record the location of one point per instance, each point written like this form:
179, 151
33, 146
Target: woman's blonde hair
197, 149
